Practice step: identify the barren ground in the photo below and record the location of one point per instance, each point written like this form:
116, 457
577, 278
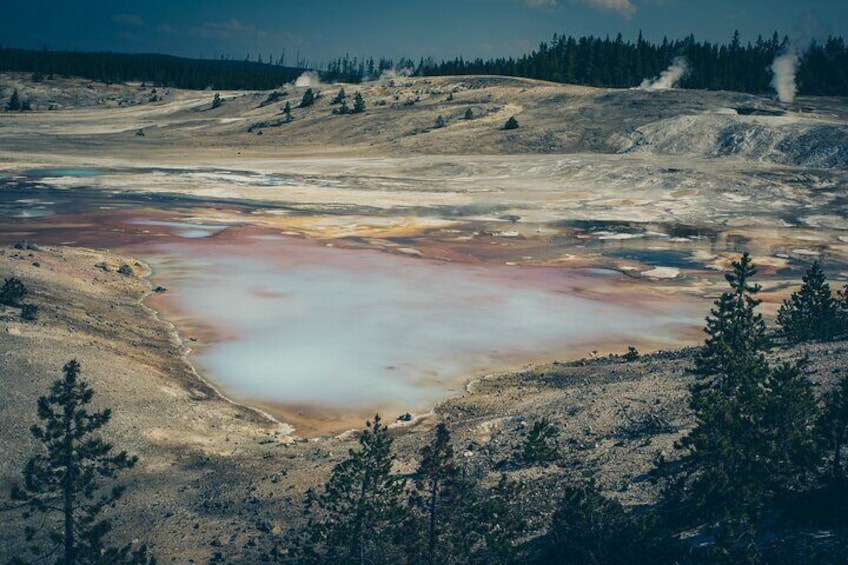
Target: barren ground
664, 188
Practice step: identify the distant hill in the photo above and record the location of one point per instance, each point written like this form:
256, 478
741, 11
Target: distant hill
158, 70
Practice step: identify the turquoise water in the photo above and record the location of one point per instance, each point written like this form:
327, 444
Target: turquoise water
60, 172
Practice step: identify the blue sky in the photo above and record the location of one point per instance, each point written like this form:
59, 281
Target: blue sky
322, 29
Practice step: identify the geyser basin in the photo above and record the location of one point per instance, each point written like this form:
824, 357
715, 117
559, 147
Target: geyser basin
296, 325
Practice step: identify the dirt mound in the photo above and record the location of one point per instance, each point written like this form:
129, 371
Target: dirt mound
786, 140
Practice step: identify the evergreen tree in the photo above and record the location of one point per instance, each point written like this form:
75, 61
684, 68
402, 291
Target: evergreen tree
587, 527
308, 98
501, 521
469, 114
788, 443
440, 122
216, 101
540, 444
340, 97
358, 104
14, 103
833, 429
440, 503
287, 111
811, 313
736, 333
65, 481
511, 123
753, 438
12, 292
356, 518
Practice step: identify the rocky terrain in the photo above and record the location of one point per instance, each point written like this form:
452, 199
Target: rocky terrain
663, 186
219, 479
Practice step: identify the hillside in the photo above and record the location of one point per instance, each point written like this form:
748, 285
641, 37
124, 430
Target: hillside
217, 479
650, 195
401, 120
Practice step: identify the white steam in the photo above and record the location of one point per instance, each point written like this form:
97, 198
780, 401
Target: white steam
309, 78
391, 74
668, 78
783, 71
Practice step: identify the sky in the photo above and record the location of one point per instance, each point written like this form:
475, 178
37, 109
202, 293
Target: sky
319, 30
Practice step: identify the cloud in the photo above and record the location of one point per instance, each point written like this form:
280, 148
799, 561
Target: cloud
541, 3
624, 8
131, 20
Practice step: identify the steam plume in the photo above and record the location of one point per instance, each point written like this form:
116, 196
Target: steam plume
668, 78
783, 71
309, 78
392, 74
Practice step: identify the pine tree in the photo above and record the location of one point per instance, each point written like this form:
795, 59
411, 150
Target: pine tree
14, 103
511, 123
340, 97
439, 526
811, 313
540, 444
308, 98
833, 429
469, 114
65, 481
287, 111
357, 516
736, 333
216, 101
358, 104
789, 445
754, 433
501, 521
588, 527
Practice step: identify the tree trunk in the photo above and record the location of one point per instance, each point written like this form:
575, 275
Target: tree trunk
431, 541
68, 480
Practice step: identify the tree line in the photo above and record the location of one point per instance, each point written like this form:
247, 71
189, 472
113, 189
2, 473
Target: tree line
762, 469
156, 69
615, 63
588, 60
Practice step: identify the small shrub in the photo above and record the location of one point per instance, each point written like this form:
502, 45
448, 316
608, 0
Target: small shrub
126, 270
469, 114
631, 355
440, 122
12, 292
217, 101
272, 97
29, 312
511, 123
